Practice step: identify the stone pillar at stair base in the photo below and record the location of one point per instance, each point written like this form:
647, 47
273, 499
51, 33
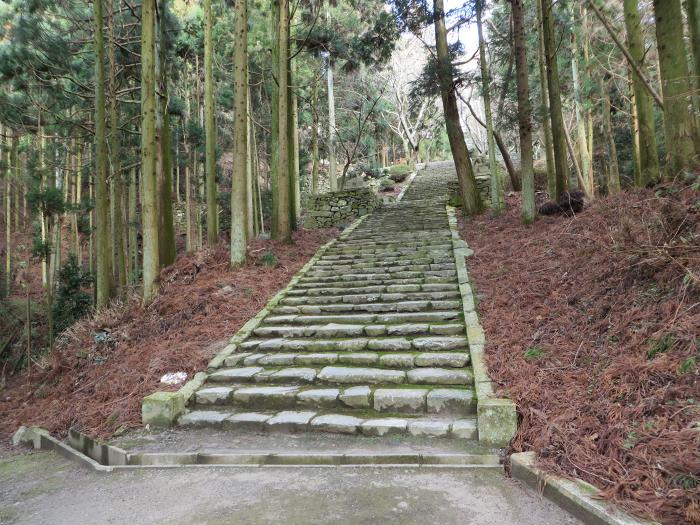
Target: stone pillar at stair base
497, 421
161, 409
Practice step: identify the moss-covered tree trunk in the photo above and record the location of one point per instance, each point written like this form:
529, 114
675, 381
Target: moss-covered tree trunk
648, 154
149, 204
471, 200
554, 91
314, 138
284, 226
524, 113
103, 248
678, 120
496, 185
210, 127
239, 186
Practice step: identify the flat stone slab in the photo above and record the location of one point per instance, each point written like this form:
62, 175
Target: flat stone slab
340, 330
438, 376
436, 344
451, 359
448, 329
396, 360
202, 418
247, 420
399, 400
357, 397
235, 359
336, 374
319, 397
359, 358
384, 427
302, 375
407, 329
316, 359
336, 423
450, 401
389, 344
425, 427
235, 374
277, 360
213, 395
463, 429
289, 421
276, 396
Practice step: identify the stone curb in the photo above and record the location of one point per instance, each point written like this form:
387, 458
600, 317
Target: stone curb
497, 418
108, 458
406, 186
575, 496
161, 409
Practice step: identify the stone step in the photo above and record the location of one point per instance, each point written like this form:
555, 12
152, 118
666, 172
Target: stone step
350, 283
360, 298
440, 401
376, 344
332, 422
344, 375
372, 289
354, 330
327, 276
399, 360
433, 317
346, 308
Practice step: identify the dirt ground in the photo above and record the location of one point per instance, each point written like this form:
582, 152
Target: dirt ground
593, 327
104, 365
43, 488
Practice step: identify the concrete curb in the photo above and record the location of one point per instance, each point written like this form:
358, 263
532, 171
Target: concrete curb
103, 457
161, 409
406, 186
575, 496
497, 418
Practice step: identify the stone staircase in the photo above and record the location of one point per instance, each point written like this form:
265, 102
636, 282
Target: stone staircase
370, 341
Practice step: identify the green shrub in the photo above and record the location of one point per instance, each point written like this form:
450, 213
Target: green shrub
400, 169
71, 302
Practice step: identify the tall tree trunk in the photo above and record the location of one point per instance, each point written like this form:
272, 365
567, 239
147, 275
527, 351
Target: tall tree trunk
239, 211
613, 178
558, 132
284, 230
678, 121
133, 229
8, 214
210, 127
274, 117
314, 138
471, 200
496, 186
581, 131
151, 263
693, 12
103, 249
293, 137
250, 190
524, 118
647, 149
332, 175
166, 236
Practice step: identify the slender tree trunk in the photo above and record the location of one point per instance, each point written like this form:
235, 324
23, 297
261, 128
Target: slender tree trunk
693, 11
103, 251
133, 229
284, 230
8, 218
210, 127
166, 236
250, 191
332, 175
647, 149
149, 207
314, 138
471, 200
558, 132
678, 121
584, 152
239, 186
293, 137
524, 118
613, 179
634, 120
274, 117
496, 186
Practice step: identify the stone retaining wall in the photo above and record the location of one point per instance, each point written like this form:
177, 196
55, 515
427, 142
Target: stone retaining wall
330, 209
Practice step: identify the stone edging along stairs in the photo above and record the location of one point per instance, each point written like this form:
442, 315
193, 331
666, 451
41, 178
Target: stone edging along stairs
369, 338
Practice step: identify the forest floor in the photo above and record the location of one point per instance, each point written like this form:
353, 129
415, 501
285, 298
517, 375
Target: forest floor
593, 328
105, 364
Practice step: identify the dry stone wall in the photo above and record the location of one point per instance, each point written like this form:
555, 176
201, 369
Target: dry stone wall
330, 209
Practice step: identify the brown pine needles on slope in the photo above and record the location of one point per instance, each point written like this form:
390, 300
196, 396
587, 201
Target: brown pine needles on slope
104, 365
593, 328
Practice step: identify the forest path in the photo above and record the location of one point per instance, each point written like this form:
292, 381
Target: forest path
370, 340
